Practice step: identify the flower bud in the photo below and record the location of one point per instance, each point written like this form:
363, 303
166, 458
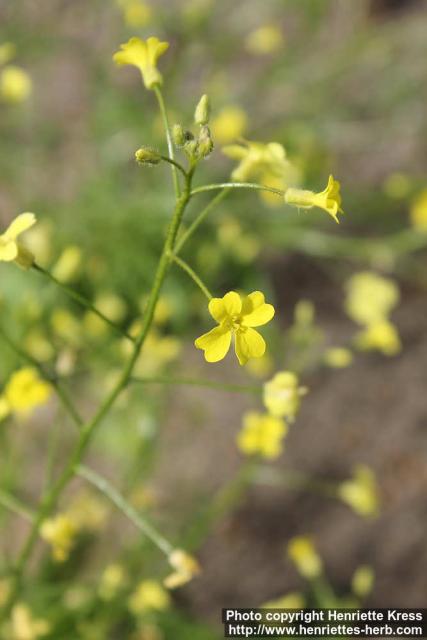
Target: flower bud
203, 110
178, 135
205, 143
148, 155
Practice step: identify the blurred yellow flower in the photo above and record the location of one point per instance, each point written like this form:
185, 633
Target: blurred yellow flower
112, 581
7, 52
380, 336
262, 434
293, 600
265, 40
66, 326
303, 554
282, 395
23, 626
15, 84
60, 532
418, 211
136, 13
112, 306
68, 265
337, 357
10, 248
148, 596
397, 185
260, 367
361, 492
87, 511
236, 318
24, 392
38, 346
143, 55
329, 199
370, 298
185, 568
363, 581
229, 124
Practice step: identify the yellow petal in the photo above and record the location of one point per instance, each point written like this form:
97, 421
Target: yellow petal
19, 225
232, 303
8, 251
255, 311
155, 49
249, 344
217, 309
215, 343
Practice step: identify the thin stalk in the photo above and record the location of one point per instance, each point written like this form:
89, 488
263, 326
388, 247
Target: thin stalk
121, 503
193, 275
15, 506
237, 185
174, 163
84, 302
169, 141
199, 219
198, 382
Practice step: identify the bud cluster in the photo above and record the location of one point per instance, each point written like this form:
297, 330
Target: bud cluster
197, 146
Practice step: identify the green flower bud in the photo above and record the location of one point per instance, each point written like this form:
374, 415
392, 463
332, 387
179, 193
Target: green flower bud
178, 135
203, 111
148, 155
190, 148
205, 143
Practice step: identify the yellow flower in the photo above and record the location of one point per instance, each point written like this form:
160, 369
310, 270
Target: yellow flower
10, 248
148, 596
329, 199
23, 626
112, 580
236, 317
266, 163
380, 336
60, 532
185, 568
15, 84
143, 55
361, 492
363, 581
338, 357
265, 40
24, 392
370, 297
293, 600
303, 554
67, 267
230, 124
87, 511
418, 212
282, 395
135, 12
262, 434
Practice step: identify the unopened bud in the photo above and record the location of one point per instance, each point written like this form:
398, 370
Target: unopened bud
203, 111
205, 143
190, 148
178, 135
148, 155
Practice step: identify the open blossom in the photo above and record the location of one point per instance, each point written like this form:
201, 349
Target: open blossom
24, 626
329, 199
24, 391
185, 568
262, 434
143, 54
361, 492
149, 595
236, 319
282, 395
10, 249
60, 532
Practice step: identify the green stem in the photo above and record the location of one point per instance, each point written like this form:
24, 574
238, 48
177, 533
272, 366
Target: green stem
121, 503
15, 506
87, 431
174, 163
199, 219
166, 126
84, 302
56, 384
237, 185
193, 275
198, 382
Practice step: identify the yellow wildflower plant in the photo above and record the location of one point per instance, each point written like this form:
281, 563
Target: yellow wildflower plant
265, 40
229, 124
361, 492
144, 55
262, 434
302, 552
185, 568
60, 532
370, 298
236, 319
418, 211
10, 249
329, 199
149, 595
24, 626
282, 395
24, 392
15, 85
380, 336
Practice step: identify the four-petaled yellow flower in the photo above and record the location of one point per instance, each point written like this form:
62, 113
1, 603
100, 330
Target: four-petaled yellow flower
262, 434
144, 55
329, 199
24, 392
10, 249
236, 317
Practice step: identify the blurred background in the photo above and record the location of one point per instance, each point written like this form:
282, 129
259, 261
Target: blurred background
342, 86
